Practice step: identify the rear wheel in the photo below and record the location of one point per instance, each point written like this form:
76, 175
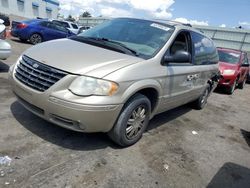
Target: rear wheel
242, 84
132, 121
35, 38
201, 102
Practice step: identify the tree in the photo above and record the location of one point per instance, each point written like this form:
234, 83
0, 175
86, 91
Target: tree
70, 19
86, 14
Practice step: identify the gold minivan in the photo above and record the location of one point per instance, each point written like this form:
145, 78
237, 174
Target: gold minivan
116, 76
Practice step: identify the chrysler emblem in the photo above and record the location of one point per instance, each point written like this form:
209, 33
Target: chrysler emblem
35, 65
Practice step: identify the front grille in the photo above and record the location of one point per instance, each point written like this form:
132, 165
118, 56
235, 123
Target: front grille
37, 75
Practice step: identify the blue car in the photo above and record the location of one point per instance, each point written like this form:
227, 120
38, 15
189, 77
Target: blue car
39, 30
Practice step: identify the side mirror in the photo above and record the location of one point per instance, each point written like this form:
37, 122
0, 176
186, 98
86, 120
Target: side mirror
180, 56
245, 65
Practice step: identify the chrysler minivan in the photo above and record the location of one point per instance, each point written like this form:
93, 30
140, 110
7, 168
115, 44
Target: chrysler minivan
116, 76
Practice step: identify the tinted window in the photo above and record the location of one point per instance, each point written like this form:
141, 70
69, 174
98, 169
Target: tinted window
59, 27
44, 24
144, 37
246, 62
74, 26
54, 26
204, 50
64, 24
229, 57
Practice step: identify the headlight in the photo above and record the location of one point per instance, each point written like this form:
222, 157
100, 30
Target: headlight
228, 72
86, 86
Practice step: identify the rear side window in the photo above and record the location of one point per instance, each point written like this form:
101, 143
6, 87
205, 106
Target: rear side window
204, 50
64, 24
74, 26
44, 24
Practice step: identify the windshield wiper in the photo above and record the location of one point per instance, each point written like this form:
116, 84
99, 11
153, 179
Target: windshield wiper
123, 46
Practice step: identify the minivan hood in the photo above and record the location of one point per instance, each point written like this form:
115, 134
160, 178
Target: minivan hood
80, 58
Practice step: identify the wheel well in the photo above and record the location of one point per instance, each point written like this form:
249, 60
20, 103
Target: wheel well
36, 33
152, 95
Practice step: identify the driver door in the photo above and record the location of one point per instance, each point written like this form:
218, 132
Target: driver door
179, 76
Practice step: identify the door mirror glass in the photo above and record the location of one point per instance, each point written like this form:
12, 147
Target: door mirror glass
180, 56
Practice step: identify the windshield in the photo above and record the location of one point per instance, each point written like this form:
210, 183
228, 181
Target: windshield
229, 57
146, 38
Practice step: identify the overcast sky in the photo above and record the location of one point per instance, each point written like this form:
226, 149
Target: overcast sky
229, 13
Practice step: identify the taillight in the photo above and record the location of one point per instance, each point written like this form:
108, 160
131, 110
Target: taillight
21, 26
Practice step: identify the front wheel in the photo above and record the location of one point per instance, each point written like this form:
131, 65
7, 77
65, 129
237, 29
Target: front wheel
230, 89
242, 84
132, 121
35, 38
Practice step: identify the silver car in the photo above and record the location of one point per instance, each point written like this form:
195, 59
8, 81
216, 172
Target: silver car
117, 76
5, 48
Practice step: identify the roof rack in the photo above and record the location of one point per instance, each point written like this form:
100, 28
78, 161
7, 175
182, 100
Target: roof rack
175, 22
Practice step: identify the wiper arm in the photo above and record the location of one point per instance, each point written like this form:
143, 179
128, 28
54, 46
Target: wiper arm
116, 43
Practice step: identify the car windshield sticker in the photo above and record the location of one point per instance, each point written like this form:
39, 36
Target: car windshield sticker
235, 55
162, 27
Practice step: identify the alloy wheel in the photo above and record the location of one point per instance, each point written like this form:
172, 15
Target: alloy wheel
135, 123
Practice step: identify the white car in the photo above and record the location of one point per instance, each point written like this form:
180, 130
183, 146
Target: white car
5, 48
69, 25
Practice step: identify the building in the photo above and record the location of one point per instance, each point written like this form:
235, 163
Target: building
235, 38
91, 21
30, 8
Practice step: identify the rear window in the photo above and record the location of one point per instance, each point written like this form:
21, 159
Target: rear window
229, 57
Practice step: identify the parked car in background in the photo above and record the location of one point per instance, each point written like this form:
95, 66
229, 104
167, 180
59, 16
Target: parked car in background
116, 76
6, 19
248, 77
73, 27
234, 68
83, 28
5, 48
39, 30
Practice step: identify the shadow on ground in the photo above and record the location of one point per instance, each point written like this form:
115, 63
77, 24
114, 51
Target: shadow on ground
168, 116
246, 136
19, 41
4, 67
75, 140
221, 90
231, 175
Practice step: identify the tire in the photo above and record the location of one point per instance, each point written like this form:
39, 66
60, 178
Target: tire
35, 38
132, 121
242, 84
201, 102
231, 89
22, 40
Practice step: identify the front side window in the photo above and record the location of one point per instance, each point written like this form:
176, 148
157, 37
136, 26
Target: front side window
64, 24
229, 57
74, 26
181, 43
146, 38
245, 62
204, 50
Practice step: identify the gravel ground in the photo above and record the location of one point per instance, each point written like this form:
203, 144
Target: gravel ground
182, 147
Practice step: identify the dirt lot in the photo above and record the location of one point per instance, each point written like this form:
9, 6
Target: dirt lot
169, 154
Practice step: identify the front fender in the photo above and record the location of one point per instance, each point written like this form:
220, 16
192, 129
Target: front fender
140, 85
